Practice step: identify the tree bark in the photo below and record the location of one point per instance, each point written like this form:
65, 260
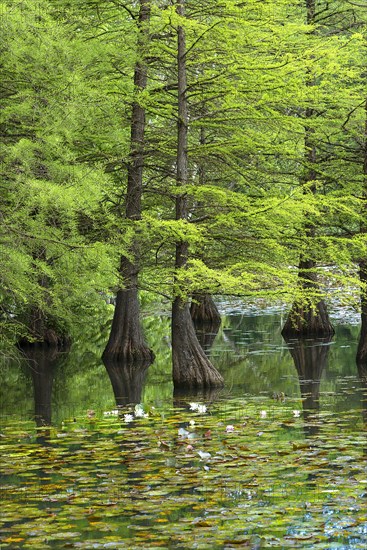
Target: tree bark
204, 311
41, 334
362, 344
126, 341
206, 318
306, 321
191, 367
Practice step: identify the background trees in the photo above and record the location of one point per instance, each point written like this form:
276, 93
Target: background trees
50, 201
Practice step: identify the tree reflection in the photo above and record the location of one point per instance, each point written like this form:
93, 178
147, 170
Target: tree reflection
183, 397
206, 334
127, 380
43, 364
310, 359
362, 372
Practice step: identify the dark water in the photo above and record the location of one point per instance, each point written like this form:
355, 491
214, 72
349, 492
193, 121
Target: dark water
248, 350
307, 399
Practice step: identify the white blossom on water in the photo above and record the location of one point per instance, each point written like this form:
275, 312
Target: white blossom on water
263, 414
114, 412
203, 455
128, 418
201, 409
296, 413
139, 412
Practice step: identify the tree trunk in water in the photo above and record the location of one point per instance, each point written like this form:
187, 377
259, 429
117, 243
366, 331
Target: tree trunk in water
204, 311
306, 321
191, 367
126, 341
362, 344
41, 335
206, 318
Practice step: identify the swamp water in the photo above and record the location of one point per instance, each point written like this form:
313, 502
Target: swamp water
105, 457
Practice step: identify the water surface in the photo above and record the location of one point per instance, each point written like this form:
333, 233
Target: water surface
277, 459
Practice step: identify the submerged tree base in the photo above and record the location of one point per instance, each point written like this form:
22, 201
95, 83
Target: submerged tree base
206, 318
126, 342
204, 311
41, 332
191, 367
129, 354
308, 322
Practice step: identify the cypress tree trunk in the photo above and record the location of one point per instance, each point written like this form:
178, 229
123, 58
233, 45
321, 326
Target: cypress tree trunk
191, 367
206, 318
126, 341
362, 344
306, 320
41, 334
204, 311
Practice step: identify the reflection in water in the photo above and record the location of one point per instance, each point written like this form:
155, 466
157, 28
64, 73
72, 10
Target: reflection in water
206, 334
362, 369
310, 360
182, 397
362, 372
42, 364
127, 380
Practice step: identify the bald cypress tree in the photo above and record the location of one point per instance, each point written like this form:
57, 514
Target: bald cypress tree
191, 367
362, 343
310, 317
126, 341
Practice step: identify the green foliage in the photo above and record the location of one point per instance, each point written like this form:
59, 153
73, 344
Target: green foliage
264, 87
51, 211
